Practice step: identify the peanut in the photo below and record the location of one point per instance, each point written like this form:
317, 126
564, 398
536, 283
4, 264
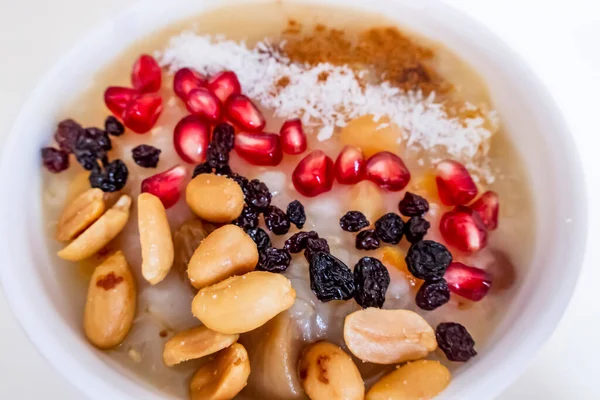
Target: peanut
227, 251
79, 214
222, 378
155, 238
328, 373
100, 233
195, 343
215, 198
243, 303
111, 302
388, 336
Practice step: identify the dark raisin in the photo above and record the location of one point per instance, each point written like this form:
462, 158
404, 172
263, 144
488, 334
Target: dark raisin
367, 240
390, 228
297, 242
276, 220
146, 156
224, 170
353, 221
314, 245
428, 260
224, 136
66, 135
55, 160
371, 279
432, 295
216, 156
330, 279
260, 237
91, 145
248, 219
242, 181
296, 214
257, 194
110, 179
455, 341
416, 228
274, 260
113, 126
413, 205
203, 168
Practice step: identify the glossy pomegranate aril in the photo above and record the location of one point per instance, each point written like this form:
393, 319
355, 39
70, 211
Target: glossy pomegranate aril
186, 80
146, 75
454, 183
293, 139
314, 174
224, 85
469, 282
388, 171
191, 138
166, 186
242, 112
259, 148
487, 206
463, 229
142, 113
350, 166
204, 103
118, 98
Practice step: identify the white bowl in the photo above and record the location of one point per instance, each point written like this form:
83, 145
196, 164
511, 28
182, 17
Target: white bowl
531, 118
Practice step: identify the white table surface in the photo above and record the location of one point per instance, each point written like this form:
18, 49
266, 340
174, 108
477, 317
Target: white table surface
559, 39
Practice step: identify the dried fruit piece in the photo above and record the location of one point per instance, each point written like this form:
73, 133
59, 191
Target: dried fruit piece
293, 139
415, 229
330, 279
371, 279
273, 260
146, 156
79, 214
155, 238
469, 282
350, 166
186, 80
113, 126
216, 156
224, 136
202, 168
146, 75
257, 194
117, 99
55, 160
366, 197
66, 135
315, 245
296, 214
372, 135
112, 179
463, 229
298, 241
224, 85
186, 240
367, 240
432, 295
390, 228
487, 206
276, 220
353, 221
204, 103
314, 174
244, 114
413, 205
394, 257
259, 148
388, 171
190, 138
166, 185
260, 237
428, 260
455, 341
454, 183
141, 114
248, 219
91, 145
195, 343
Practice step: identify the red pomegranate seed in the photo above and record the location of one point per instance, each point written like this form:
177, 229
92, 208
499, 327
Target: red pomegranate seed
388, 171
293, 139
186, 80
191, 137
244, 114
259, 148
454, 183
463, 229
166, 186
142, 113
469, 282
350, 166
225, 84
146, 75
118, 98
204, 103
314, 174
487, 206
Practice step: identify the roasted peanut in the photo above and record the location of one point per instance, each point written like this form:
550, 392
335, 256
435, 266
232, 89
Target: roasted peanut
418, 380
111, 302
155, 238
227, 251
388, 336
222, 378
243, 303
215, 198
100, 233
328, 373
195, 343
79, 214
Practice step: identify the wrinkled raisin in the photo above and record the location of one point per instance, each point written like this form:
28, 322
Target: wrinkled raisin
296, 214
276, 220
203, 168
146, 156
371, 279
353, 221
224, 170
274, 260
314, 245
413, 205
432, 295
55, 160
110, 179
113, 126
390, 228
416, 228
216, 156
367, 240
243, 182
248, 219
297, 242
66, 135
224, 136
455, 341
428, 260
330, 279
91, 145
258, 195
260, 237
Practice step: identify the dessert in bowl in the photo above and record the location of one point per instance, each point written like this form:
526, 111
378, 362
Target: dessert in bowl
283, 201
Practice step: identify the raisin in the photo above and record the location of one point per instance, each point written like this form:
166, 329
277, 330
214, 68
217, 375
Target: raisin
224, 136
203, 168
248, 219
428, 260
432, 295
260, 237
274, 260
390, 228
223, 170
146, 156
455, 341
66, 135
216, 156
297, 242
257, 194
110, 179
296, 214
314, 245
353, 221
55, 160
367, 240
371, 279
330, 279
242, 181
413, 205
416, 228
91, 145
113, 126
276, 220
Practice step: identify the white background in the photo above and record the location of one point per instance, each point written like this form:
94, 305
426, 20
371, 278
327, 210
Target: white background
559, 39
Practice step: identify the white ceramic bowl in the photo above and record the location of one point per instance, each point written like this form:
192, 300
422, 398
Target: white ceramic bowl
531, 118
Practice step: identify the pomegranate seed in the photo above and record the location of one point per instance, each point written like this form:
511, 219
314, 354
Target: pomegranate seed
454, 183
118, 98
259, 148
462, 228
186, 80
225, 84
487, 206
141, 114
204, 103
350, 166
191, 137
314, 174
166, 186
244, 114
293, 139
388, 171
146, 75
469, 282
